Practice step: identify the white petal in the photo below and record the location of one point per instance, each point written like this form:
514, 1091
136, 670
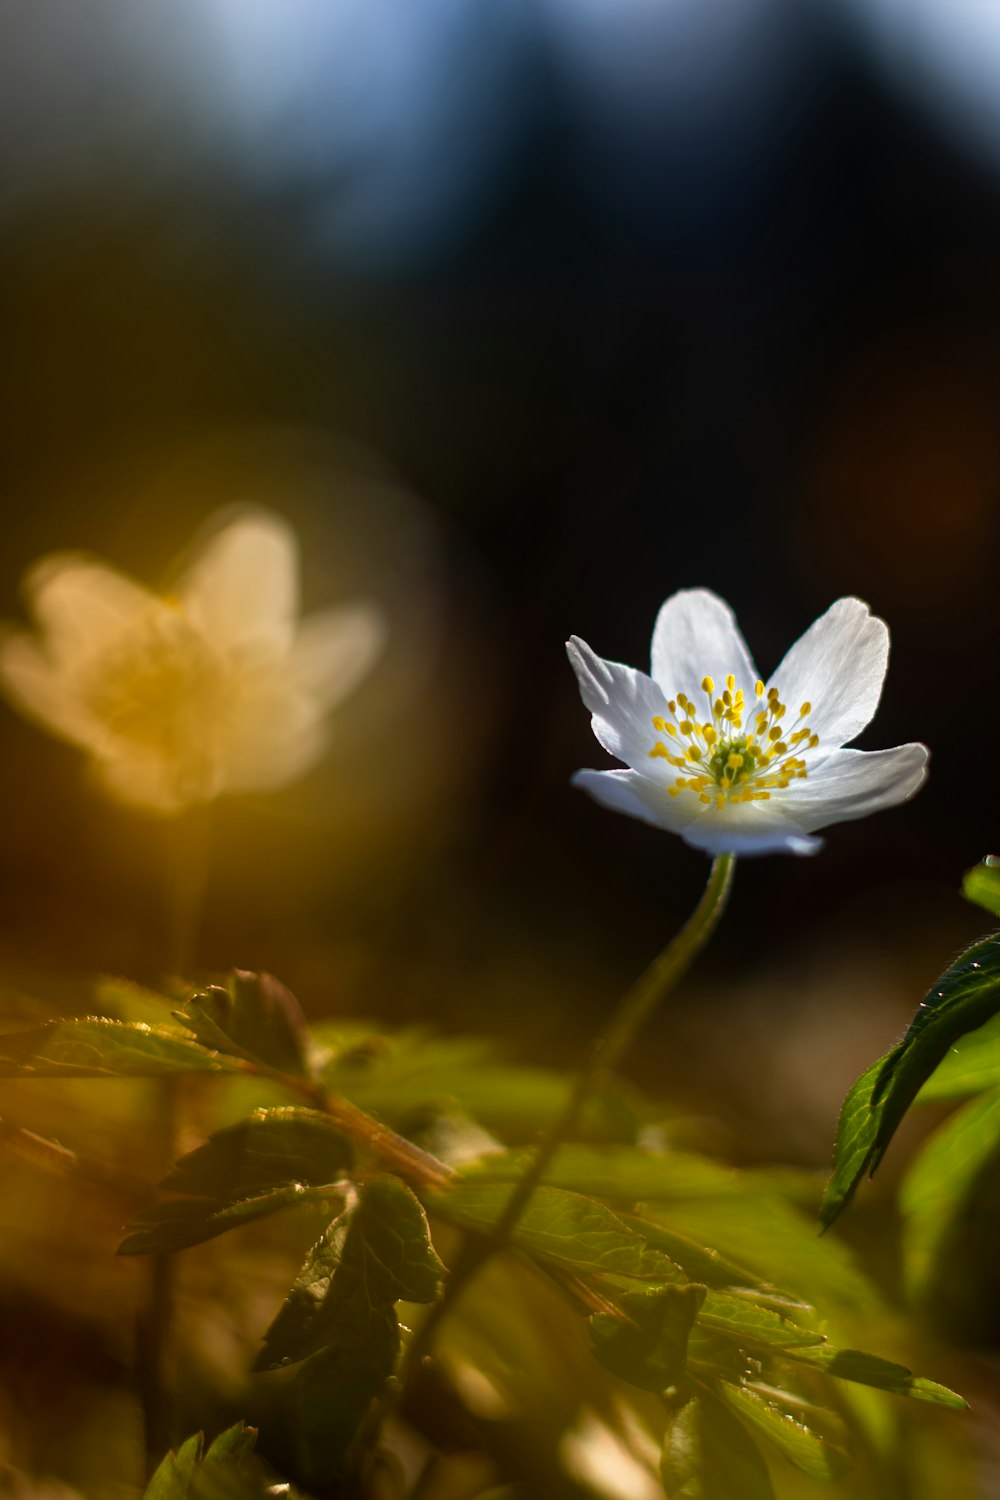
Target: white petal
622, 702
748, 828
852, 783
146, 781
838, 666
696, 636
242, 589
83, 607
628, 792
335, 650
42, 691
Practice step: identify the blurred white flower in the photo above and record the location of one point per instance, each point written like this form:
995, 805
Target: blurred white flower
745, 773
215, 687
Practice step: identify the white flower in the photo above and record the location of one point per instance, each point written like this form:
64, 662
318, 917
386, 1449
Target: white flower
735, 764
215, 687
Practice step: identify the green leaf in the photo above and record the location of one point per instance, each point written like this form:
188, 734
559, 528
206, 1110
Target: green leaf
377, 1252
404, 1075
93, 1047
332, 1392
981, 885
753, 1325
707, 1455
856, 1132
189, 1221
221, 1473
966, 996
939, 1181
651, 1350
557, 1226
253, 1015
628, 1174
271, 1149
698, 1262
124, 1000
883, 1374
779, 1419
971, 1066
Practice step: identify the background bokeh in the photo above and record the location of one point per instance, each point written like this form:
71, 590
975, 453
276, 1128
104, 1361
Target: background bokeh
526, 315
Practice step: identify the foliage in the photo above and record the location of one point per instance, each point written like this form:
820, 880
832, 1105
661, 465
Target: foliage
692, 1299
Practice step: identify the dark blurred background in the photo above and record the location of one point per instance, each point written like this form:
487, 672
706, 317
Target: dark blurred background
526, 314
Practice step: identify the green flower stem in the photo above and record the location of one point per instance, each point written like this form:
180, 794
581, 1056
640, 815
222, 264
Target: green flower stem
610, 1045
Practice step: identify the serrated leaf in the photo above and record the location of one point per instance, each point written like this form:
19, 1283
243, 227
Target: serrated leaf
123, 1000
271, 1149
708, 1455
882, 1374
221, 1473
377, 1252
94, 1047
966, 996
252, 1015
981, 885
938, 1182
753, 1325
172, 1479
409, 1073
190, 1221
565, 1228
651, 1350
779, 1419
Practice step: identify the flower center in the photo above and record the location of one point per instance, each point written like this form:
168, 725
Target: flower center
724, 761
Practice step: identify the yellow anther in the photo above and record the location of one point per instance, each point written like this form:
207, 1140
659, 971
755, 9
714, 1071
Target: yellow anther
717, 707
734, 761
720, 802
659, 724
772, 734
805, 709
687, 727
674, 790
772, 694
672, 705
813, 741
672, 729
693, 753
727, 698
781, 748
660, 750
731, 682
726, 783
704, 797
709, 733
708, 685
759, 688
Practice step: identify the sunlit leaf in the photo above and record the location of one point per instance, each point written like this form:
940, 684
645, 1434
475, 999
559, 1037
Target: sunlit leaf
981, 885
651, 1350
397, 1077
189, 1221
93, 1047
938, 1182
377, 1252
698, 1262
785, 1423
965, 997
271, 1149
882, 1374
565, 1228
252, 1015
708, 1455
124, 1000
628, 1174
971, 1066
753, 1325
